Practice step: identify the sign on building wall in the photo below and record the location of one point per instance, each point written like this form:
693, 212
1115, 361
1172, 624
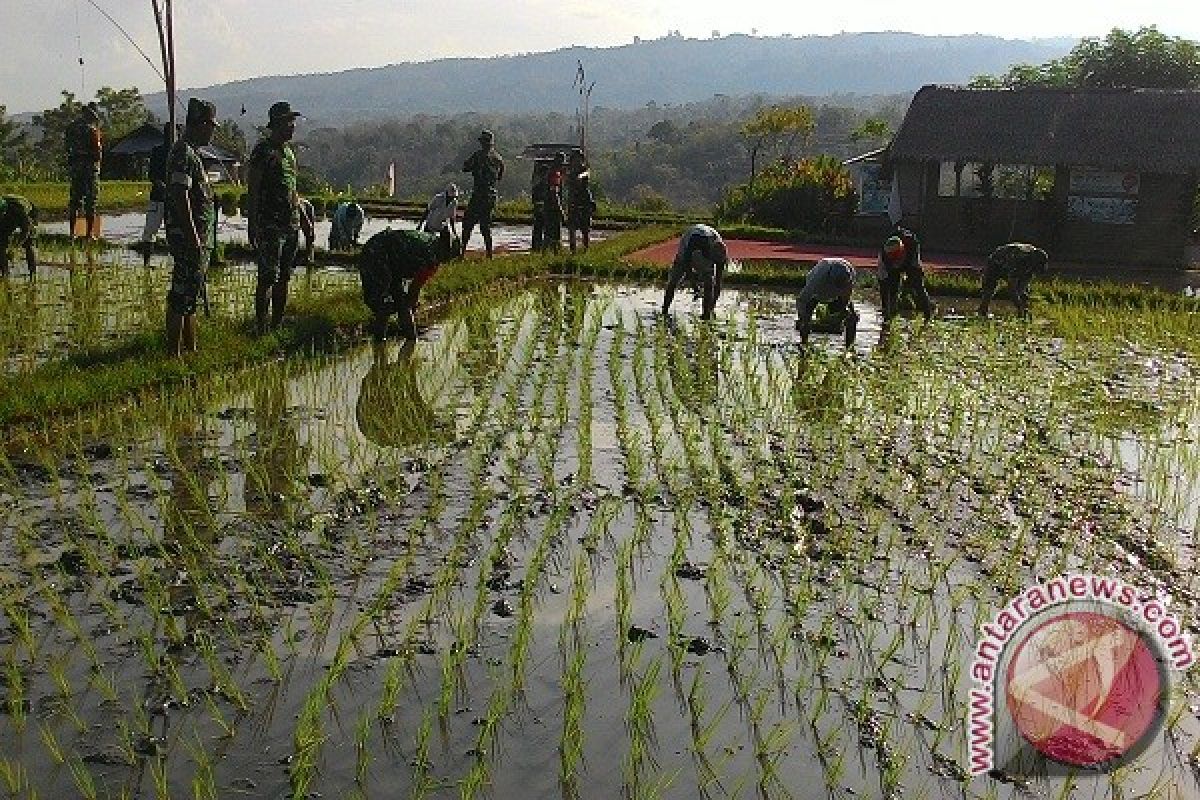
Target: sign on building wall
1108, 197
873, 191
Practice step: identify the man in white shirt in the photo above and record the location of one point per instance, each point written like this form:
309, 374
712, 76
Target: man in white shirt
703, 254
441, 211
830, 281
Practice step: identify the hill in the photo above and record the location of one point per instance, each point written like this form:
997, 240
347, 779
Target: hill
664, 71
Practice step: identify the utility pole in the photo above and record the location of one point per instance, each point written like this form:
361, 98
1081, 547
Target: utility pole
584, 110
166, 46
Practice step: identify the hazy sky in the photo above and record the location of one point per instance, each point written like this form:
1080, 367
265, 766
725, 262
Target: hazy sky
223, 40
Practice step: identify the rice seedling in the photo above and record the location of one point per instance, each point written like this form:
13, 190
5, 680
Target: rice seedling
854, 522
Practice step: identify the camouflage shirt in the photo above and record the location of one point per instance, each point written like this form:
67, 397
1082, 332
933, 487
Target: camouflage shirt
402, 252
486, 168
84, 148
186, 169
579, 191
1017, 260
16, 214
273, 201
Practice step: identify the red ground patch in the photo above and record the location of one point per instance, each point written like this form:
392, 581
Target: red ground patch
860, 257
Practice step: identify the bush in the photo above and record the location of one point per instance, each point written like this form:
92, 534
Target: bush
647, 199
229, 201
811, 194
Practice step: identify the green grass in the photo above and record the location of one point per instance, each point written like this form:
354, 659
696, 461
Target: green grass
51, 198
108, 373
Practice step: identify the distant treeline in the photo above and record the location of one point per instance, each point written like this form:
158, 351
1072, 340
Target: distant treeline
682, 155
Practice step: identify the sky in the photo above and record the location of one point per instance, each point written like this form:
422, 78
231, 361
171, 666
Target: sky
41, 41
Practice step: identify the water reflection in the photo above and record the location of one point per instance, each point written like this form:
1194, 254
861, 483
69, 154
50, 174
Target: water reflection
272, 477
398, 397
188, 527
695, 368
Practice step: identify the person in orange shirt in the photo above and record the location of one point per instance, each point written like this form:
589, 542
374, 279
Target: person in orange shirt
85, 150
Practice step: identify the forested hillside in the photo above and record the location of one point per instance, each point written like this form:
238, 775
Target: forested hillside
668, 70
686, 154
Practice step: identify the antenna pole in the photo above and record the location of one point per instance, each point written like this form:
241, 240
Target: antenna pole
170, 68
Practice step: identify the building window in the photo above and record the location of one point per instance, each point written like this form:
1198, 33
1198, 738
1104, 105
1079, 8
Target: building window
981, 179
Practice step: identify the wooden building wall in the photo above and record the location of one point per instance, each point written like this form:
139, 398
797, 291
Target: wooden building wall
1158, 236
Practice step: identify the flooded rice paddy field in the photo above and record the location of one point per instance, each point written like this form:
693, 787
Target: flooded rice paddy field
67, 310
127, 229
563, 548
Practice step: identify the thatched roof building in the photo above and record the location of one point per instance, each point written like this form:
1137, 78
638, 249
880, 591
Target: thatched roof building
128, 156
1097, 176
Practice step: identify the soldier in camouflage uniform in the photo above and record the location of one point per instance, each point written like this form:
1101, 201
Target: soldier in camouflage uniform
580, 202
1015, 263
18, 216
900, 261
537, 194
273, 214
486, 168
84, 153
191, 223
553, 212
388, 261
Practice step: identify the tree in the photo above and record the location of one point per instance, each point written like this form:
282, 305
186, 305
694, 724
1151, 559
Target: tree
1145, 58
876, 130
14, 146
121, 111
772, 127
54, 123
666, 132
229, 136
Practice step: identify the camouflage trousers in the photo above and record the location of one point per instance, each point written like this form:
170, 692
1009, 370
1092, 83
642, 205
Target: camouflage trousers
85, 185
189, 271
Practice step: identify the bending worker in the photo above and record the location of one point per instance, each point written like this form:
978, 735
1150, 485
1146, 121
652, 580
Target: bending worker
346, 225
18, 216
703, 254
900, 260
830, 281
441, 211
1015, 263
392, 258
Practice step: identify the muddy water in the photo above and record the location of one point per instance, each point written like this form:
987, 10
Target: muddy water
127, 228
558, 548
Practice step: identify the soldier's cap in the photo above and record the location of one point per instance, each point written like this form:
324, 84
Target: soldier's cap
486, 136
560, 157
451, 190
200, 111
91, 110
281, 111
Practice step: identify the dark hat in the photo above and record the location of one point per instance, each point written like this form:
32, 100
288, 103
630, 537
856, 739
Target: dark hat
91, 110
281, 111
201, 111
560, 157
486, 136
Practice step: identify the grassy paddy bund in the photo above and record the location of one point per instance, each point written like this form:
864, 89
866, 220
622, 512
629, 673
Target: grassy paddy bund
559, 548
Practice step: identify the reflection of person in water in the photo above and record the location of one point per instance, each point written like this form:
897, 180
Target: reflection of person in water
189, 532
481, 356
188, 520
696, 372
391, 410
271, 485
